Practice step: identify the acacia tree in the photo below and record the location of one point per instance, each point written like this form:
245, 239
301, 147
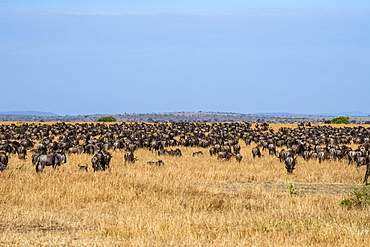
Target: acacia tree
107, 119
340, 120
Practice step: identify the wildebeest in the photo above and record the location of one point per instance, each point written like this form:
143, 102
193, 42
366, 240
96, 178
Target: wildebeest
272, 149
83, 168
4, 159
256, 152
2, 167
176, 152
129, 157
237, 148
101, 160
224, 155
290, 163
199, 153
367, 174
238, 157
361, 161
157, 163
50, 159
212, 151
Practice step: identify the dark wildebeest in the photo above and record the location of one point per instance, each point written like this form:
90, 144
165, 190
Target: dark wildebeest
224, 155
76, 150
22, 152
367, 174
129, 157
50, 159
2, 167
101, 160
361, 161
272, 149
238, 157
237, 148
353, 155
256, 152
290, 163
157, 163
4, 159
83, 168
199, 153
176, 152
212, 151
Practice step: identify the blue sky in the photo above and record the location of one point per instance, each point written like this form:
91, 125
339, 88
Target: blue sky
89, 57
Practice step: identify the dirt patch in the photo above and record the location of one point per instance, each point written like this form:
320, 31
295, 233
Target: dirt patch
301, 188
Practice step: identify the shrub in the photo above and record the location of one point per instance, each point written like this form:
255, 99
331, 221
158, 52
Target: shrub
107, 119
291, 188
360, 197
327, 121
340, 120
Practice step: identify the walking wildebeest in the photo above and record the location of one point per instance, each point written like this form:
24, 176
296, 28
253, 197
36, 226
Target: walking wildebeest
290, 163
256, 152
367, 174
2, 167
101, 160
129, 157
4, 159
50, 159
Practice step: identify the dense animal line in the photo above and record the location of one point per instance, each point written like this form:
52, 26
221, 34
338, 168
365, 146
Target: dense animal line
54, 141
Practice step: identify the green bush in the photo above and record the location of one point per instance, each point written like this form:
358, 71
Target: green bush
360, 197
291, 188
327, 121
340, 120
107, 119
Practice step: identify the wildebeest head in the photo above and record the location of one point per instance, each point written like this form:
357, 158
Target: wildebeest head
290, 164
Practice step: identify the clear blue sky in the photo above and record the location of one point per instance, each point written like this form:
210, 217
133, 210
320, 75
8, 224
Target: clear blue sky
90, 56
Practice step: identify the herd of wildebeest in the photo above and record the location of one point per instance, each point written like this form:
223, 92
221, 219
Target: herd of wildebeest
49, 143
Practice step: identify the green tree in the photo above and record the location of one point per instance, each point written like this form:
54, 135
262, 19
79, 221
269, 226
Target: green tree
340, 120
107, 119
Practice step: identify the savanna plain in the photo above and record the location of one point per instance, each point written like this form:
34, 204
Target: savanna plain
188, 201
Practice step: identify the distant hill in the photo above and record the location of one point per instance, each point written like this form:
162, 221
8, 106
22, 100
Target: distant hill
278, 117
287, 114
30, 113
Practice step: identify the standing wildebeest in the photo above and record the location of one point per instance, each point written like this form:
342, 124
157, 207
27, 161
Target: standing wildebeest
129, 157
101, 160
256, 152
272, 149
224, 155
290, 163
4, 159
22, 152
2, 167
238, 157
50, 159
212, 151
367, 174
237, 148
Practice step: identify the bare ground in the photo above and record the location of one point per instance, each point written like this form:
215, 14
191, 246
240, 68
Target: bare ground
300, 188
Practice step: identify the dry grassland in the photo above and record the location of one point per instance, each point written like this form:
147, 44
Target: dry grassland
190, 201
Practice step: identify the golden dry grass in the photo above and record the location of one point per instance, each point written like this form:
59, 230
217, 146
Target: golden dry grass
190, 201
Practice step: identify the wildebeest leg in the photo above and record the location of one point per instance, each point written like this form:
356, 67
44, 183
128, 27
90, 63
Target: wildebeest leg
39, 167
367, 174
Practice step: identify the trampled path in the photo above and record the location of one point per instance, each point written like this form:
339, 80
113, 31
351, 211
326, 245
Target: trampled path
300, 188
